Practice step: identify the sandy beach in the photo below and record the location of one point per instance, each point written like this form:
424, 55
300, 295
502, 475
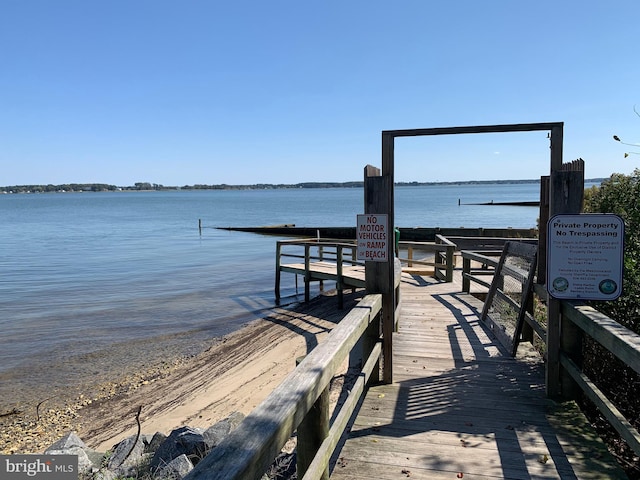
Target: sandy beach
235, 374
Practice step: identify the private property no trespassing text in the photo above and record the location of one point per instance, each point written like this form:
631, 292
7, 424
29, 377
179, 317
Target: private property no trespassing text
588, 229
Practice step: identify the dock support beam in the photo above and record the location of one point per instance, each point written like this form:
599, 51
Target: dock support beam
378, 199
566, 193
312, 431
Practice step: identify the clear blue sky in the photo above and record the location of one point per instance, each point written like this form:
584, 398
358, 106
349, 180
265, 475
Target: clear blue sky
185, 92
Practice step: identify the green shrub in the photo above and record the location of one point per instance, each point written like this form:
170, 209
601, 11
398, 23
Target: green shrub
620, 194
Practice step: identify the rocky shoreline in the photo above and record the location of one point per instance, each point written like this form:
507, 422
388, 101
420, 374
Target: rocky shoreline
156, 456
32, 428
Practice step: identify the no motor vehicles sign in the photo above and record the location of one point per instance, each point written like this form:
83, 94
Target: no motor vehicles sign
372, 235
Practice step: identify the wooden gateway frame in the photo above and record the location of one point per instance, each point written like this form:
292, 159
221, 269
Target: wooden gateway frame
380, 275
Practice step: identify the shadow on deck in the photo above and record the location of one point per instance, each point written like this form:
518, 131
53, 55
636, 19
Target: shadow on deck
462, 407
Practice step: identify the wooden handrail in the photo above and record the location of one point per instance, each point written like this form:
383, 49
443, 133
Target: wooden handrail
320, 462
471, 275
440, 262
617, 339
315, 250
248, 451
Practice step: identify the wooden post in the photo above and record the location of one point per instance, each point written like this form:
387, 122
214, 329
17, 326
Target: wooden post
542, 231
277, 289
466, 268
552, 372
339, 281
307, 273
388, 295
570, 181
566, 193
312, 431
450, 252
527, 330
374, 271
320, 258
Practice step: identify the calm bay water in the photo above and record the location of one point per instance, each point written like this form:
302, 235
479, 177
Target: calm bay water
96, 282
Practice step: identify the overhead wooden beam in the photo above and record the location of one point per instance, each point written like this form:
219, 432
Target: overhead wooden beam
518, 127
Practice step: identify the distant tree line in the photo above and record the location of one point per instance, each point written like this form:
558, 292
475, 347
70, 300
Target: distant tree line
103, 187
272, 186
80, 187
67, 187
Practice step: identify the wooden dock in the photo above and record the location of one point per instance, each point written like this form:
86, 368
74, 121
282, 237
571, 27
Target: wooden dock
462, 407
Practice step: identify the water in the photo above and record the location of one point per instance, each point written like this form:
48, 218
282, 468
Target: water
94, 283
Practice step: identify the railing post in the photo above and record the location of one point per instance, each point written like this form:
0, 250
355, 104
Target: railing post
277, 287
466, 270
437, 257
312, 431
450, 253
307, 273
321, 258
527, 334
339, 282
369, 339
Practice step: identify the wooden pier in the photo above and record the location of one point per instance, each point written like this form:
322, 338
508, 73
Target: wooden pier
461, 407
438, 396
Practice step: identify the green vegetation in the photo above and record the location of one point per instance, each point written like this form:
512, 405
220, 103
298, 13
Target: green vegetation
67, 187
620, 195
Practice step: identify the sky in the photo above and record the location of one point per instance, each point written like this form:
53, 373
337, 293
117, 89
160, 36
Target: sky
243, 92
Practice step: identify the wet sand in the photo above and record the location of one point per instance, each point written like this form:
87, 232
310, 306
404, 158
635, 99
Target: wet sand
234, 374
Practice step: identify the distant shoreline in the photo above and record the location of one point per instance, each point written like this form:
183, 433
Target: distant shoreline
146, 186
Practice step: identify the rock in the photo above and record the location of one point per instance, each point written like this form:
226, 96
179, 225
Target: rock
177, 468
154, 443
127, 453
185, 440
95, 457
69, 440
104, 475
84, 463
149, 456
215, 433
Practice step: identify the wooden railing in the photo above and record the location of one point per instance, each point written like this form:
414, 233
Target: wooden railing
444, 252
578, 319
301, 402
305, 252
476, 266
443, 261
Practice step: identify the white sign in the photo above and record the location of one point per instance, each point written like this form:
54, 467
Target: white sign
584, 256
372, 235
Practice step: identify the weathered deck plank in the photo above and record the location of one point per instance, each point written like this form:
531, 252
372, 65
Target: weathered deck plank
461, 407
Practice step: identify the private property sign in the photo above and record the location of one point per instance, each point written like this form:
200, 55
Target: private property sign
584, 256
372, 235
